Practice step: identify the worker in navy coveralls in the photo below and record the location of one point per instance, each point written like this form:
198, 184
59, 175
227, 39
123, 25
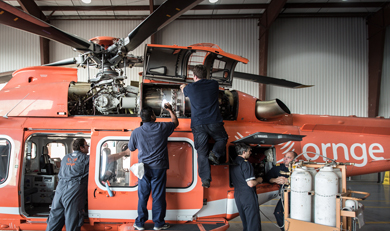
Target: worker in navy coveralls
278, 175
151, 140
206, 121
244, 182
70, 197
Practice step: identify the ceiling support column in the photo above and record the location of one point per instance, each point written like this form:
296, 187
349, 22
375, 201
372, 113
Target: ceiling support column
32, 8
268, 17
376, 42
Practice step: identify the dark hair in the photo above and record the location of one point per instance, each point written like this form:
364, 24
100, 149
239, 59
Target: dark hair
200, 71
78, 143
295, 154
241, 148
146, 114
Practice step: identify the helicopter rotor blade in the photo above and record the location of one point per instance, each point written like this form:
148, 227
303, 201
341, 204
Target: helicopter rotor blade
63, 62
5, 76
18, 19
269, 80
162, 16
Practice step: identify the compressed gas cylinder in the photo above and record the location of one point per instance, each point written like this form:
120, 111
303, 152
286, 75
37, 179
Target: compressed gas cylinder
327, 185
301, 185
313, 173
338, 173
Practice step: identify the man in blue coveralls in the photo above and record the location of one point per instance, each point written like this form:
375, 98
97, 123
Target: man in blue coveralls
244, 182
151, 140
70, 197
278, 175
206, 121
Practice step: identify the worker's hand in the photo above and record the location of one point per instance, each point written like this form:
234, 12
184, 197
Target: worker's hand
281, 180
168, 106
182, 87
259, 180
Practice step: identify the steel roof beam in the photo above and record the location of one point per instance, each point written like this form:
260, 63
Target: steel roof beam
376, 42
32, 8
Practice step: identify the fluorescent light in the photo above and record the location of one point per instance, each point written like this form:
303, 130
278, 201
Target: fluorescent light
86, 1
213, 1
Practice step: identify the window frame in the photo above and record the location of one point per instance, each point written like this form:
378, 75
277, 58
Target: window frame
135, 188
11, 160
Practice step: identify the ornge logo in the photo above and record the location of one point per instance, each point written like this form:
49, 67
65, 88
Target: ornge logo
358, 151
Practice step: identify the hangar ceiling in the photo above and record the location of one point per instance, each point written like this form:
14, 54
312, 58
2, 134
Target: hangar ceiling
139, 9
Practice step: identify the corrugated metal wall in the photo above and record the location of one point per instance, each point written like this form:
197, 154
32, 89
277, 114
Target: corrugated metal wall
329, 53
238, 36
90, 29
384, 102
18, 49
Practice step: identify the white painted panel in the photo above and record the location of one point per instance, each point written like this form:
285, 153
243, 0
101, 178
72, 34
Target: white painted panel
384, 102
18, 49
88, 29
239, 37
329, 53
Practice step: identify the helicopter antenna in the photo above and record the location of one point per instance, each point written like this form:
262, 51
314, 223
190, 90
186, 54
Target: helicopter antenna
6, 115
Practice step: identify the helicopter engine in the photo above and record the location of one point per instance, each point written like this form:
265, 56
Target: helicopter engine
111, 96
108, 96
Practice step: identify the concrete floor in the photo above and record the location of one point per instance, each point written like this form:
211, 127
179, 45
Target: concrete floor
376, 213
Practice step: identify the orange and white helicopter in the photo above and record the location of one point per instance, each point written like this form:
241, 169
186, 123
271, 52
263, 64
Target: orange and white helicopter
44, 109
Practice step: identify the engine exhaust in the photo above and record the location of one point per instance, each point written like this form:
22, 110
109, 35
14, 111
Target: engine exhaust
271, 109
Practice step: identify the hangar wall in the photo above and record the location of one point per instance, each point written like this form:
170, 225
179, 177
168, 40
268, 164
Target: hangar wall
329, 53
18, 49
384, 103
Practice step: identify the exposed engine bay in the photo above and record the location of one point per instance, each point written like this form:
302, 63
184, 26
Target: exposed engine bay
112, 97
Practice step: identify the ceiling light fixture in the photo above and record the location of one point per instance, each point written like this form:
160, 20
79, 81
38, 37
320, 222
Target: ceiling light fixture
213, 1
86, 1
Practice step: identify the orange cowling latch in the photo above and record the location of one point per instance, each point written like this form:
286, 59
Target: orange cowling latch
4, 226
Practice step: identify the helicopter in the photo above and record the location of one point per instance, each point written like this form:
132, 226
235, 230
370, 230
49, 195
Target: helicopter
44, 109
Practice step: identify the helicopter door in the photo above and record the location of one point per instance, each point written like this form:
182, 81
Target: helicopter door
10, 159
184, 189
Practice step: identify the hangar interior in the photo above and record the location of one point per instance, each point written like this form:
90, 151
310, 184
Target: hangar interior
321, 43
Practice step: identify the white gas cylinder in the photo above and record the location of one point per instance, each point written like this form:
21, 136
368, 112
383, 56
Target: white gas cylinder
313, 173
338, 173
327, 185
300, 199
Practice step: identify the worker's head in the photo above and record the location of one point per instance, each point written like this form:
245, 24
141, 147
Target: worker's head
147, 114
200, 71
243, 150
80, 145
289, 157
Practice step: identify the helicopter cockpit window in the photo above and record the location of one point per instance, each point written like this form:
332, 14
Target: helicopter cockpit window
118, 174
5, 149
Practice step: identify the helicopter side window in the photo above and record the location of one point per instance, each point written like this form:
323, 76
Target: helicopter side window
33, 153
5, 149
118, 174
56, 150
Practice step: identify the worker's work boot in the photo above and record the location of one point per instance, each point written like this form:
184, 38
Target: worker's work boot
213, 158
